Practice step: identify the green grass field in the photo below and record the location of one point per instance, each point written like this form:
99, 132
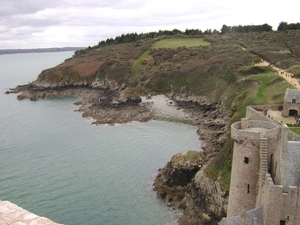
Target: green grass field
172, 43
270, 84
295, 130
180, 42
138, 62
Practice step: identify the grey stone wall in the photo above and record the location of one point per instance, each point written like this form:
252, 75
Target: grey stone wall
280, 205
12, 214
277, 196
257, 112
255, 216
292, 175
236, 220
251, 217
287, 106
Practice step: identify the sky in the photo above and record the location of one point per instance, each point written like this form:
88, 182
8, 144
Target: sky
82, 23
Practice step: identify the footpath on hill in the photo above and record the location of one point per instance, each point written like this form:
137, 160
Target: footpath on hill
289, 77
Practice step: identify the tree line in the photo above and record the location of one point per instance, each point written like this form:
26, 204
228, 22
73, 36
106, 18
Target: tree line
284, 26
246, 29
132, 37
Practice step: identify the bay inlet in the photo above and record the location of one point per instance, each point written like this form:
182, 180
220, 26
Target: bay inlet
55, 164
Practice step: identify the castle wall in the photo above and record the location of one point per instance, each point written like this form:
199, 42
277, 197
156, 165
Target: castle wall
273, 197
235, 220
239, 129
276, 162
280, 205
257, 113
255, 216
251, 217
287, 106
292, 175
246, 162
244, 177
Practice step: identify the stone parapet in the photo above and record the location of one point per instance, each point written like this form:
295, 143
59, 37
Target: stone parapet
12, 214
252, 129
280, 205
257, 112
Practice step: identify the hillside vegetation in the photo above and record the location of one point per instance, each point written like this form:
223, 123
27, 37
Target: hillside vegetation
219, 66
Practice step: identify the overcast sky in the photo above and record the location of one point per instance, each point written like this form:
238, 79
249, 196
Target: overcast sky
68, 23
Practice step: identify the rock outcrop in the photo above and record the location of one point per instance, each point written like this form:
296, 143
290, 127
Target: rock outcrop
204, 201
186, 187
171, 181
183, 184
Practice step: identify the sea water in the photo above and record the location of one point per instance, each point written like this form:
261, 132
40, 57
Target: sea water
54, 163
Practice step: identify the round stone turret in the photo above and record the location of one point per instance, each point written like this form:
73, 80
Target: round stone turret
254, 142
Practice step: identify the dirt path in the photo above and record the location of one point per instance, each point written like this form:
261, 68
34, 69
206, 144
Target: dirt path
289, 77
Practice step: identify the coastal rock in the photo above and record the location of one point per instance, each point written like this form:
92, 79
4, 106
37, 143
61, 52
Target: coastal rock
182, 183
171, 181
128, 96
204, 202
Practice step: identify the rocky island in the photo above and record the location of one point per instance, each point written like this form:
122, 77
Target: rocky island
208, 80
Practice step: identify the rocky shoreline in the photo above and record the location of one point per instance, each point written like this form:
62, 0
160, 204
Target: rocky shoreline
181, 183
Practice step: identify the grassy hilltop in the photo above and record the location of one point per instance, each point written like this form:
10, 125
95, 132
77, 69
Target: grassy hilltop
219, 66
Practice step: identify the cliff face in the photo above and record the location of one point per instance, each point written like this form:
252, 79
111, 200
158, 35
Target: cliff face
182, 183
186, 186
204, 201
171, 181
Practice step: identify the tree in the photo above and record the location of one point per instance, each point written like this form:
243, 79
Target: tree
283, 26
225, 29
266, 27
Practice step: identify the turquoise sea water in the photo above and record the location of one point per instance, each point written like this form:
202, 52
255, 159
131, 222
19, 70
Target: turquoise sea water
55, 164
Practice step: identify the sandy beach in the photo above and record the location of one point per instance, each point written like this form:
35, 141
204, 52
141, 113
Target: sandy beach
164, 108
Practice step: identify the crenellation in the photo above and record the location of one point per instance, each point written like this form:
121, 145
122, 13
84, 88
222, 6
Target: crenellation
265, 177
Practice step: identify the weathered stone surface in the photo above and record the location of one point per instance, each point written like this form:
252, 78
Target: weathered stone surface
204, 201
171, 181
12, 214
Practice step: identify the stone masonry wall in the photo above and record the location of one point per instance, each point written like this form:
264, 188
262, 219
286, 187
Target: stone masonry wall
293, 164
290, 106
245, 176
12, 214
246, 162
253, 114
251, 217
280, 205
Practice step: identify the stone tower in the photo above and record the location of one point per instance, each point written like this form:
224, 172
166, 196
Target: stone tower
254, 142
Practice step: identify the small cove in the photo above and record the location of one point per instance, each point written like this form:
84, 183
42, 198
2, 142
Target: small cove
55, 164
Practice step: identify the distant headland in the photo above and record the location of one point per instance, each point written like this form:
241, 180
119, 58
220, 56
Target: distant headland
39, 50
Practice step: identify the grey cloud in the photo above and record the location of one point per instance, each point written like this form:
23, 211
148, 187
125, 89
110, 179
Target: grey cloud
48, 23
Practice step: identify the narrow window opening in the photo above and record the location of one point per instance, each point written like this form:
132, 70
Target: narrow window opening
282, 222
294, 100
248, 188
246, 160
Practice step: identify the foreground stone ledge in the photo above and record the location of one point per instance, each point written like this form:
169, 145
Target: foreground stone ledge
12, 214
